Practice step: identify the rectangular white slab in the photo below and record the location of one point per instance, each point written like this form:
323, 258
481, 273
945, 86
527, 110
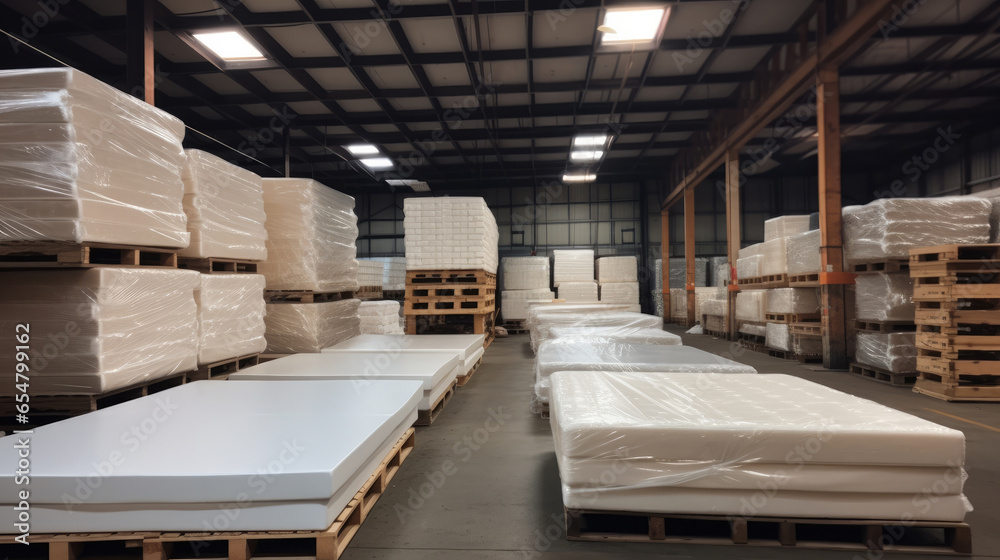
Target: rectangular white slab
464, 344
358, 367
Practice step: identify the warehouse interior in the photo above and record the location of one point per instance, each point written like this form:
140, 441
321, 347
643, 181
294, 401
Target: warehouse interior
604, 209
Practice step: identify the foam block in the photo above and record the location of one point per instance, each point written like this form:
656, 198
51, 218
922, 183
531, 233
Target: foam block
370, 273
514, 303
802, 253
884, 297
895, 352
572, 266
525, 273
773, 257
451, 232
617, 269
793, 300
394, 273
785, 226
310, 327
578, 292
751, 305
230, 316
749, 267
620, 292
379, 317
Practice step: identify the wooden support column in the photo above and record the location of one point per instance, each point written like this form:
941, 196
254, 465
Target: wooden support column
733, 233
665, 259
832, 277
140, 68
692, 312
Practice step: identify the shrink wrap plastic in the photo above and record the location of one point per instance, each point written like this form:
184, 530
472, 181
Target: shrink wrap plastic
379, 317
541, 311
572, 266
678, 272
370, 273
802, 253
310, 327
749, 251
620, 292
617, 269
542, 330
81, 161
394, 273
657, 297
718, 270
616, 335
230, 316
514, 303
311, 237
578, 292
525, 273
754, 330
793, 300
225, 209
678, 299
807, 345
99, 329
895, 352
751, 305
749, 267
715, 307
785, 226
888, 228
773, 257
705, 443
778, 336
450, 232
884, 297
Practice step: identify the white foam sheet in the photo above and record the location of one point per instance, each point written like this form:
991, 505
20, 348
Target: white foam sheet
514, 303
525, 273
754, 330
370, 273
621, 335
452, 232
617, 269
572, 265
785, 226
793, 300
465, 344
779, 336
546, 322
310, 327
578, 292
884, 297
802, 253
620, 292
230, 316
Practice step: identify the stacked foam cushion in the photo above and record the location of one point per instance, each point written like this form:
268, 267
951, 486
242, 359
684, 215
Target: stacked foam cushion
450, 233
714, 315
884, 297
541, 330
100, 329
678, 300
311, 237
514, 303
793, 300
468, 347
785, 226
370, 273
525, 273
81, 161
620, 292
578, 292
394, 274
572, 266
230, 316
379, 317
751, 305
711, 444
232, 456
225, 209
802, 253
310, 327
617, 335
895, 352
617, 269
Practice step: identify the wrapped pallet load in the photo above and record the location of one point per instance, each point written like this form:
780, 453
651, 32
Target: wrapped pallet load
572, 266
450, 233
524, 279
230, 316
618, 279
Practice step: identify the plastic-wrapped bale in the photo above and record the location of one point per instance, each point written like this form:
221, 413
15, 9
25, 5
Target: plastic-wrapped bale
678, 303
657, 297
379, 317
370, 273
572, 265
620, 292
713, 315
718, 271
539, 313
230, 316
312, 234
616, 335
225, 209
753, 330
715, 307
778, 336
514, 303
578, 292
450, 232
617, 269
542, 330
884, 297
751, 305
701, 295
393, 274
525, 273
785, 226
895, 352
802, 253
793, 300
678, 272
889, 227
807, 345
773, 257
310, 327
749, 251
100, 329
81, 161
749, 267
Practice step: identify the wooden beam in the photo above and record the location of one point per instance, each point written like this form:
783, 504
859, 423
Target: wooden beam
665, 260
832, 277
140, 66
689, 249
733, 232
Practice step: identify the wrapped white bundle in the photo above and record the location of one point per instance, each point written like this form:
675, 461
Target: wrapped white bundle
753, 330
750, 250
370, 273
715, 307
793, 300
525, 273
778, 336
884, 297
310, 327
312, 234
450, 232
578, 292
379, 317
230, 316
785, 226
616, 335
718, 271
772, 257
895, 352
807, 345
100, 329
749, 267
751, 305
81, 161
620, 292
889, 227
678, 303
678, 272
225, 209
657, 297
545, 322
617, 269
802, 253
539, 312
514, 303
572, 266
394, 273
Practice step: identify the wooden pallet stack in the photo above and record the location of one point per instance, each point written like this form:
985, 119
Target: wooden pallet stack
957, 293
450, 301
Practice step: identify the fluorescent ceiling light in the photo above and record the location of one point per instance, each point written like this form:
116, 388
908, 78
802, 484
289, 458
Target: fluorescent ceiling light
592, 140
229, 45
587, 155
420, 186
631, 25
377, 163
362, 149
579, 178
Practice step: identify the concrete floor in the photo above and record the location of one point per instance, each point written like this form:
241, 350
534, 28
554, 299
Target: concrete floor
490, 483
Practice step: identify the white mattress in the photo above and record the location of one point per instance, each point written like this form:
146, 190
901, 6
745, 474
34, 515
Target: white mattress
230, 316
619, 335
310, 327
545, 322
464, 344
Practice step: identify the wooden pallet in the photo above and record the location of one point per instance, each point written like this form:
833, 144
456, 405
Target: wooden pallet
954, 343
751, 338
803, 280
463, 380
955, 292
84, 255
789, 355
515, 327
887, 266
427, 417
716, 334
754, 346
883, 327
328, 544
958, 363
788, 318
954, 317
809, 329
445, 276
951, 253
467, 323
224, 368
953, 379
804, 533
765, 282
450, 305
369, 292
213, 265
450, 290
304, 296
268, 357
953, 393
896, 379
393, 294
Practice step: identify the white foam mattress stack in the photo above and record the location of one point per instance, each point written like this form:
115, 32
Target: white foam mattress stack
753, 330
225, 209
514, 303
311, 236
201, 469
538, 312
100, 329
451, 232
579, 356
751, 305
884, 297
379, 317
310, 327
722, 445
678, 300
895, 352
468, 347
773, 257
616, 335
617, 269
570, 265
802, 253
542, 329
749, 267
778, 336
394, 273
82, 161
578, 292
785, 226
230, 316
370, 273
714, 315
525, 273
793, 300
889, 227
620, 292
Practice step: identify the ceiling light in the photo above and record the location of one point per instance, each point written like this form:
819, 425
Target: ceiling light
591, 140
587, 155
229, 45
377, 163
631, 25
362, 149
420, 186
579, 178
417, 186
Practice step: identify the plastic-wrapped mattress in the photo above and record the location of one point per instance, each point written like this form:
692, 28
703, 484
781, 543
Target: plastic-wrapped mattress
468, 347
230, 316
617, 269
450, 232
571, 265
884, 297
310, 327
618, 335
525, 273
626, 319
895, 352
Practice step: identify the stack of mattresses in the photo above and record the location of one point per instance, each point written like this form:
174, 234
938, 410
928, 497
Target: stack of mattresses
620, 335
541, 331
230, 316
468, 347
380, 317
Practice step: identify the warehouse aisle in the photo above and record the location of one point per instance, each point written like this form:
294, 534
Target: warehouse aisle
483, 482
